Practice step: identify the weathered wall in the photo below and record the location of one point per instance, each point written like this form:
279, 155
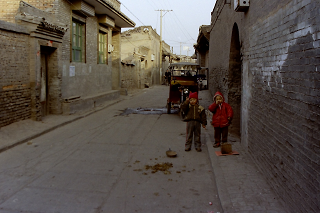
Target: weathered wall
90, 78
116, 60
143, 42
8, 10
131, 76
278, 52
43, 62
15, 99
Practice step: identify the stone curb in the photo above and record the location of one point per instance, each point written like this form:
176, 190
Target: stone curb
223, 194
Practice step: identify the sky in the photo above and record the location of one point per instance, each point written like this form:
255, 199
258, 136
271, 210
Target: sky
180, 27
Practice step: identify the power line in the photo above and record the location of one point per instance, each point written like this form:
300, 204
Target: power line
168, 31
157, 22
182, 25
152, 6
131, 42
156, 6
166, 4
181, 30
133, 14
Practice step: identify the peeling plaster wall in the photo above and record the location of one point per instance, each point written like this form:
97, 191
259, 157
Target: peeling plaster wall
138, 42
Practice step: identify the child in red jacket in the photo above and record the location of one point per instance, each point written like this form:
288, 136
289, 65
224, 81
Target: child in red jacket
221, 119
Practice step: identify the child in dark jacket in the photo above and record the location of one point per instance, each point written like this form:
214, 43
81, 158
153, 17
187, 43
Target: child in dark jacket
221, 119
195, 116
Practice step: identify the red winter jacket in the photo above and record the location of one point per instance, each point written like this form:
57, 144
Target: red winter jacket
220, 113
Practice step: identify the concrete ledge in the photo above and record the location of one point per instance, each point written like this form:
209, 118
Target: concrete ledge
13, 27
87, 103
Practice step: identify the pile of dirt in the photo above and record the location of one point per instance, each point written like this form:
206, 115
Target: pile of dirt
163, 167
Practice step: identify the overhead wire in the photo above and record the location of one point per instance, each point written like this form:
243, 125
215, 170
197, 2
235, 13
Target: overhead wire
154, 8
173, 33
182, 25
165, 32
169, 32
151, 5
157, 22
166, 4
177, 48
131, 42
133, 14
181, 30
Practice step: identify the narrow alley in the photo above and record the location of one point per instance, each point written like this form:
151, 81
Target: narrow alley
86, 117
101, 163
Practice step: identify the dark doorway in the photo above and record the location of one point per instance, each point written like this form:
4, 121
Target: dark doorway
46, 52
234, 94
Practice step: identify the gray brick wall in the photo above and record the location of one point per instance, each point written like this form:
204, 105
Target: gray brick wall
14, 74
91, 78
280, 91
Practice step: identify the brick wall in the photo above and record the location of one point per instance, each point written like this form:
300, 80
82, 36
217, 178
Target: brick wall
8, 10
285, 102
280, 91
89, 79
14, 74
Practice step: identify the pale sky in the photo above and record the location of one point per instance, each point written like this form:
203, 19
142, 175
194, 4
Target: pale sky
180, 27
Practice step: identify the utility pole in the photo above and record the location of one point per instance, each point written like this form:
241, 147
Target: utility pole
160, 65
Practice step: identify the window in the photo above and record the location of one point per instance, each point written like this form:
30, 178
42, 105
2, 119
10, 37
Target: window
77, 40
102, 48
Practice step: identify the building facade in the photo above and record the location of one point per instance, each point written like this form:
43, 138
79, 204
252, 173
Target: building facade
140, 51
72, 56
202, 46
264, 57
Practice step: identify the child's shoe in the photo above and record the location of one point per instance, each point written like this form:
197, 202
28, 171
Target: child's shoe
198, 149
187, 148
216, 145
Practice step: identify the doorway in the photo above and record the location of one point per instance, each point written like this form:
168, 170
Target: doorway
46, 53
234, 86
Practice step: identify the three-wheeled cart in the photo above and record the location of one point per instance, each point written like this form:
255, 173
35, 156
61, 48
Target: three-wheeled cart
183, 81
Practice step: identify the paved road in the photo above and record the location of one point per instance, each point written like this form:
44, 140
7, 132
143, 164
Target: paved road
98, 164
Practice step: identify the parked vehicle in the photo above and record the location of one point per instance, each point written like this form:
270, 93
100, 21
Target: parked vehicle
183, 81
202, 84
202, 81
